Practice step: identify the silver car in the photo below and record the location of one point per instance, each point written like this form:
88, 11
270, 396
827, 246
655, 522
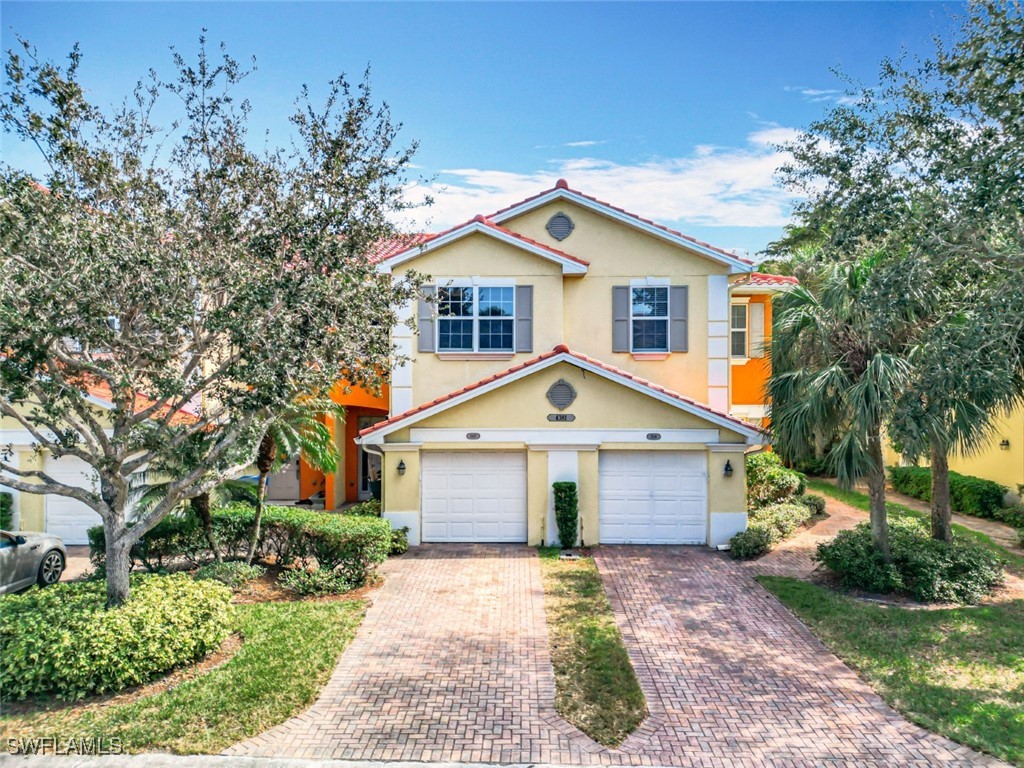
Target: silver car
28, 558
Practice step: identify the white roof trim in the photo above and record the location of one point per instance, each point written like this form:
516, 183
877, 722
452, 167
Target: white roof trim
753, 435
569, 267
736, 264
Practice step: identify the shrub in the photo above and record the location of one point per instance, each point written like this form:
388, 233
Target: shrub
814, 503
399, 541
924, 568
235, 574
369, 508
967, 494
319, 581
63, 641
753, 542
1012, 516
6, 510
566, 513
768, 482
813, 467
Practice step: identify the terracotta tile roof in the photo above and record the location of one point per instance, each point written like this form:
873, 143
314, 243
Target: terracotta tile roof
761, 278
563, 184
561, 349
396, 246
101, 391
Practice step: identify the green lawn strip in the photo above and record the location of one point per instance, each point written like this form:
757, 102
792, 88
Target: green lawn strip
958, 672
596, 686
1014, 562
288, 653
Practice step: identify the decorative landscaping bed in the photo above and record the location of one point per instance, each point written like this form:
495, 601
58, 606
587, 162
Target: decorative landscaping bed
595, 685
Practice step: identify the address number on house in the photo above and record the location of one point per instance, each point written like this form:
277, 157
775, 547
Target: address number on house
561, 417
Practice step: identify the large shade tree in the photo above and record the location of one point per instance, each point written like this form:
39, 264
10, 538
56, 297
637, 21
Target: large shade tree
195, 283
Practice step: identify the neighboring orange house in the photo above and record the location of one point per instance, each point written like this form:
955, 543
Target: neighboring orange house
750, 330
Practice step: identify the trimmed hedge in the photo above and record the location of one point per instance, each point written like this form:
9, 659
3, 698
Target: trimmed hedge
353, 545
967, 494
768, 482
6, 510
924, 568
62, 640
566, 513
766, 527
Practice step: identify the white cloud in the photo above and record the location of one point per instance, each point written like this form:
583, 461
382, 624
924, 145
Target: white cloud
712, 186
820, 95
587, 143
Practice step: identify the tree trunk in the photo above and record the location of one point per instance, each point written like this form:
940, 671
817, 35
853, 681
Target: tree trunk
876, 495
942, 512
201, 506
118, 564
264, 463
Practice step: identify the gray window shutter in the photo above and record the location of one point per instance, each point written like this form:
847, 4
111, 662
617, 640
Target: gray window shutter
756, 315
524, 318
620, 318
425, 319
678, 309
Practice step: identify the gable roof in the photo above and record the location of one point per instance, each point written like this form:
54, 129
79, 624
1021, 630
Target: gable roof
392, 253
562, 191
560, 354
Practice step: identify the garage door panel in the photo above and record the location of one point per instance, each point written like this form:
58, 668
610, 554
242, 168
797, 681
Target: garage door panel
652, 497
474, 497
65, 517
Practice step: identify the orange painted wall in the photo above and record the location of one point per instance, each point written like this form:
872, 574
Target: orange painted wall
749, 379
358, 396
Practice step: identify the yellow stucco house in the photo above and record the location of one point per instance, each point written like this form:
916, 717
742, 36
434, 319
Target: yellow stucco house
569, 340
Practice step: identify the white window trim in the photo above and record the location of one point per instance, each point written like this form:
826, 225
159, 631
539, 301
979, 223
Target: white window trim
476, 283
740, 301
645, 283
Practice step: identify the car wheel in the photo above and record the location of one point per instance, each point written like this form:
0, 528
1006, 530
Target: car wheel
50, 569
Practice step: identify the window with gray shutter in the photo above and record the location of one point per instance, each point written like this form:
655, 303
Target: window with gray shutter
679, 308
524, 318
620, 318
425, 319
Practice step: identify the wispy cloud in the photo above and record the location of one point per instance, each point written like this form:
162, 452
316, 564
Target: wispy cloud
588, 143
820, 95
710, 186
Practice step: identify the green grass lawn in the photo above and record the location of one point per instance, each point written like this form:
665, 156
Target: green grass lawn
1014, 562
958, 672
288, 653
596, 687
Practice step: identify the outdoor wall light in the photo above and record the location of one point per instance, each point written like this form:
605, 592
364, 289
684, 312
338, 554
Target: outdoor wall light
401, 467
1004, 444
728, 468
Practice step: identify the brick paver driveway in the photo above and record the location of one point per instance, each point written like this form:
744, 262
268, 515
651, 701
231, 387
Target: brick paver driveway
452, 664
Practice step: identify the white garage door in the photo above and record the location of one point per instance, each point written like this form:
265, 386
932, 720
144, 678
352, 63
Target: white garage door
68, 518
477, 496
653, 497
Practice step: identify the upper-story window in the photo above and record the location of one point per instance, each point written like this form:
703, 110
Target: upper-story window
476, 318
649, 316
738, 330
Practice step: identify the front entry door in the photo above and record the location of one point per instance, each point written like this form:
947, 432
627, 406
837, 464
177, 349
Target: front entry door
369, 463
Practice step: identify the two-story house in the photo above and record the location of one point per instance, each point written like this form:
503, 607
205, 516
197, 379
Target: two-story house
567, 339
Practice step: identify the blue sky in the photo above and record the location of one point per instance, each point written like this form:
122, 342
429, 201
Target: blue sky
666, 109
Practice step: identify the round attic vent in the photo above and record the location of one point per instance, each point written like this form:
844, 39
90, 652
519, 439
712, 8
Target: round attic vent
560, 226
561, 394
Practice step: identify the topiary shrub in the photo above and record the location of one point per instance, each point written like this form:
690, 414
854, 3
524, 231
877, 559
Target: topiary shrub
236, 574
814, 503
63, 641
768, 482
319, 581
751, 543
924, 568
566, 513
6, 510
969, 495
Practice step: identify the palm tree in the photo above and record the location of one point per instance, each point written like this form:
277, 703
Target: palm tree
299, 430
837, 369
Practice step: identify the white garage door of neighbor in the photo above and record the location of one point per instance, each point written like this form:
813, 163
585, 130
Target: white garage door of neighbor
479, 496
68, 518
653, 497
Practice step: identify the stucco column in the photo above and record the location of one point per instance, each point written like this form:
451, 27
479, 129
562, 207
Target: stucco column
538, 496
401, 503
30, 507
727, 496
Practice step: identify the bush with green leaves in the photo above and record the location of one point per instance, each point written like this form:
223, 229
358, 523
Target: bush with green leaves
236, 574
6, 510
399, 541
924, 568
766, 527
567, 513
967, 494
1012, 516
62, 641
368, 508
316, 582
768, 482
814, 503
